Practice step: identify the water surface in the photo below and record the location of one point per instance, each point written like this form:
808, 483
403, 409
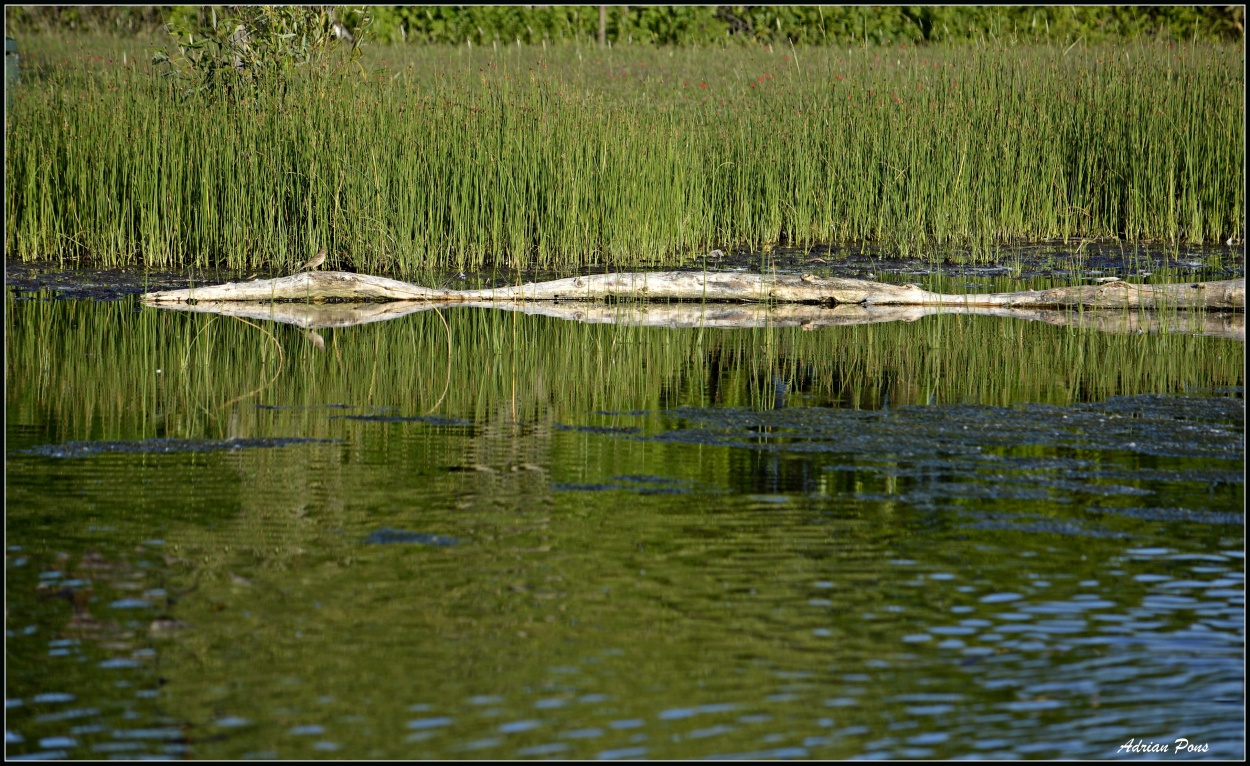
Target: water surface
512, 536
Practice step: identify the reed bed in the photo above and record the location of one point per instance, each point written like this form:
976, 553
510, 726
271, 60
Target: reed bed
520, 157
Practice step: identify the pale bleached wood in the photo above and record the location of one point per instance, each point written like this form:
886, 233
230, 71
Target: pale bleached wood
310, 316
1229, 294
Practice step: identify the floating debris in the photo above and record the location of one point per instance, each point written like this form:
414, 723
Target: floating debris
1176, 515
1150, 424
306, 406
77, 449
1064, 527
599, 429
942, 456
166, 626
433, 420
637, 484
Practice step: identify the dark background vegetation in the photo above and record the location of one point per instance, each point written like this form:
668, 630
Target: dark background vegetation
707, 25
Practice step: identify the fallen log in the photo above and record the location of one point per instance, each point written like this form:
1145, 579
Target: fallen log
319, 316
317, 286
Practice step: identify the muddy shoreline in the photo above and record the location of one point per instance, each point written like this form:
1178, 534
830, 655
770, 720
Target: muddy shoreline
1052, 264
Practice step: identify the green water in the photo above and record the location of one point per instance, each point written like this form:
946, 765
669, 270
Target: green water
516, 537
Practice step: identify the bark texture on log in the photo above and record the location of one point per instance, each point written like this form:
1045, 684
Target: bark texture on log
1229, 294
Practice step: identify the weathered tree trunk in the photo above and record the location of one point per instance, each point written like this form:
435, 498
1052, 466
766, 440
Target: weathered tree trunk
1229, 294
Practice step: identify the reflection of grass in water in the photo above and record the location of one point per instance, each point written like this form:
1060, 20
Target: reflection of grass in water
293, 522
102, 371
456, 158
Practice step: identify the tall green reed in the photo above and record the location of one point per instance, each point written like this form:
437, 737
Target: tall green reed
574, 157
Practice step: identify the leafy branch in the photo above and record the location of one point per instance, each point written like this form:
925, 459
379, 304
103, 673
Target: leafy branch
239, 50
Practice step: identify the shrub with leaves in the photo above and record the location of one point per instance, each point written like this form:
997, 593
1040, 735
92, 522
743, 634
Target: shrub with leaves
244, 49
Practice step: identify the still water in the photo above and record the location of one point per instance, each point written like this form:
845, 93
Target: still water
479, 534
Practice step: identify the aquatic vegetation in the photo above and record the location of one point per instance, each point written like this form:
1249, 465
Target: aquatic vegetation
81, 449
570, 157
